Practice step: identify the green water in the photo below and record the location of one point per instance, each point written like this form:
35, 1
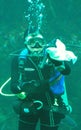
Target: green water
62, 20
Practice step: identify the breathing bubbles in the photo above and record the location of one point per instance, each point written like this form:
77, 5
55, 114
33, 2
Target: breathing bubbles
30, 1
34, 14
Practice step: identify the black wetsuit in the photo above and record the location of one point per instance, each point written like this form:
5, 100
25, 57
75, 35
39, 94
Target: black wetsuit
39, 91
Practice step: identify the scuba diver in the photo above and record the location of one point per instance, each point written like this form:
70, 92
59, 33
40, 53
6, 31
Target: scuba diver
37, 79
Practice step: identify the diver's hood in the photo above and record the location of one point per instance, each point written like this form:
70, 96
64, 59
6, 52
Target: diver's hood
60, 53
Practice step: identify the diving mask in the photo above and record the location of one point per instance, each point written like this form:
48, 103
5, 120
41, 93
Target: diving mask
34, 40
35, 43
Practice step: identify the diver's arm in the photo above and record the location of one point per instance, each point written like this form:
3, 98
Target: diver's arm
67, 69
16, 85
62, 66
15, 88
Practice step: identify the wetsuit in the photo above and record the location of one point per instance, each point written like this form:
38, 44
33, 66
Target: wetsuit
36, 81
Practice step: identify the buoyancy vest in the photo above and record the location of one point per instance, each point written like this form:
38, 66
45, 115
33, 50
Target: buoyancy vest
57, 83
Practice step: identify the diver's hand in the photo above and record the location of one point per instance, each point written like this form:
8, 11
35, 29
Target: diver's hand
60, 68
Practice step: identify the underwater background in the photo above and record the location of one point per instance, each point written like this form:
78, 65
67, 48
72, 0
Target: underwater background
61, 19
